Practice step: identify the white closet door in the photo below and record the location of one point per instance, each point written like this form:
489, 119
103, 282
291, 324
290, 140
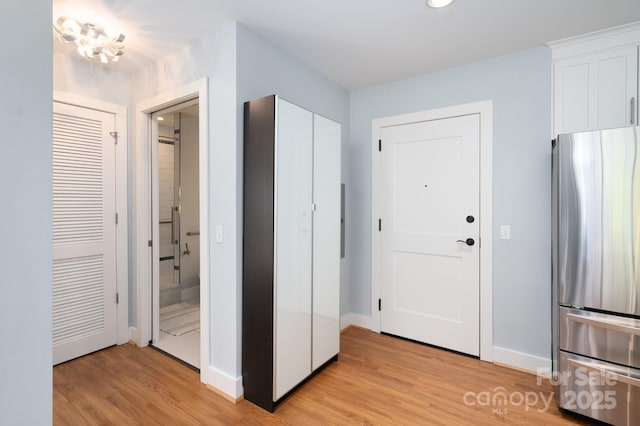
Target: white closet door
84, 232
326, 240
292, 310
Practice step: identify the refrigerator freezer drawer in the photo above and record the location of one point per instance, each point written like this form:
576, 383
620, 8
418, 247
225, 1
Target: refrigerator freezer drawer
607, 337
603, 391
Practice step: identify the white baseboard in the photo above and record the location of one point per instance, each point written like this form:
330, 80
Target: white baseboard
223, 382
133, 335
190, 293
520, 360
359, 320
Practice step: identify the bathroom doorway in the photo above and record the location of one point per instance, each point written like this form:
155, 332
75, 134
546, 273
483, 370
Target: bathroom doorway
176, 206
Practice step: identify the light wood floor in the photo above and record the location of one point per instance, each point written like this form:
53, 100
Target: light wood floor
377, 380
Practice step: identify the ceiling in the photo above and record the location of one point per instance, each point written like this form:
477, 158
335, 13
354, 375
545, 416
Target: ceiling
358, 43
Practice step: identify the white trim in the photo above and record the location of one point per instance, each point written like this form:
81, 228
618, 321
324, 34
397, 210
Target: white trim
144, 259
122, 246
485, 109
133, 334
358, 320
220, 380
520, 360
598, 40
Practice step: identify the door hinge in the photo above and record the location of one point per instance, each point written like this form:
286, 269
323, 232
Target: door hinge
379, 225
116, 218
176, 132
117, 298
380, 145
115, 136
150, 243
379, 304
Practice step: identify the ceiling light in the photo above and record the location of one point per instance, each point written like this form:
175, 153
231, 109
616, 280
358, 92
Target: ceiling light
160, 118
91, 40
439, 3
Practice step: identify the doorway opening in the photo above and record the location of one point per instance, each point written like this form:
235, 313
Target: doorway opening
176, 228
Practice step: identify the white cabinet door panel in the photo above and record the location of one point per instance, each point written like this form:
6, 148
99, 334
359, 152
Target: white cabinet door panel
292, 323
326, 240
595, 91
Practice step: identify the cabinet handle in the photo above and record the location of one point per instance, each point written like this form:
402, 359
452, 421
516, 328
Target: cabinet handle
633, 110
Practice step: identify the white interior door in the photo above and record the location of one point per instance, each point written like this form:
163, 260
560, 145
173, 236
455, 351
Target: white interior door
429, 195
84, 232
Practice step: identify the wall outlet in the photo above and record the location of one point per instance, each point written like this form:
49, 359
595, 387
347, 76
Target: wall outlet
505, 232
219, 234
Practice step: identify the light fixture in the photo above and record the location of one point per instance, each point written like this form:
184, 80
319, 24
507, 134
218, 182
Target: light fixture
160, 118
438, 3
90, 39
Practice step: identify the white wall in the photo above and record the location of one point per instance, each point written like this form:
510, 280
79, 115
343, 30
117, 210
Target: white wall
263, 70
213, 57
26, 103
90, 79
520, 87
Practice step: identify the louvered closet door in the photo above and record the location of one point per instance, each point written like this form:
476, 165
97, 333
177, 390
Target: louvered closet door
84, 232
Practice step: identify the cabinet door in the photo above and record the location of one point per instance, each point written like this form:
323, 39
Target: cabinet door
595, 91
326, 240
292, 310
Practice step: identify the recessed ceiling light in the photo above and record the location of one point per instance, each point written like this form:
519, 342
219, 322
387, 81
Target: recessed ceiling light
160, 118
439, 3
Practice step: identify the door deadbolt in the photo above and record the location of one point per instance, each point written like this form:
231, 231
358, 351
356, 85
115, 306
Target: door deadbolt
471, 219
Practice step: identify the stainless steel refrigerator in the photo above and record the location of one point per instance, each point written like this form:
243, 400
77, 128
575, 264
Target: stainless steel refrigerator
596, 274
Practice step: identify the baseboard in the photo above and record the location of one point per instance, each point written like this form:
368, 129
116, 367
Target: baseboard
224, 395
227, 386
133, 335
520, 361
358, 320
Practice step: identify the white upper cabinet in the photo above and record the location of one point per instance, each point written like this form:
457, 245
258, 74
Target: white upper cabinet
595, 80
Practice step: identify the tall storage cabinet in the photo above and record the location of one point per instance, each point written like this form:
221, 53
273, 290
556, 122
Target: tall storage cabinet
291, 266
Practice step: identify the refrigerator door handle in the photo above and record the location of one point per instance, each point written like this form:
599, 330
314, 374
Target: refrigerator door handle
603, 372
603, 323
633, 110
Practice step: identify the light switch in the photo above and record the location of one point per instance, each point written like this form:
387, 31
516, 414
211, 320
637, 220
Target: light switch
219, 234
505, 232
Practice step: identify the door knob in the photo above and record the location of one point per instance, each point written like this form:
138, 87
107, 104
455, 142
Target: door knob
468, 241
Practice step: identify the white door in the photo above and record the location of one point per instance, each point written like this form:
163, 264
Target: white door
429, 204
84, 232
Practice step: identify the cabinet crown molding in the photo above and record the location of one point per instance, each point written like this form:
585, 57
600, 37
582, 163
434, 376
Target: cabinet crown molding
598, 40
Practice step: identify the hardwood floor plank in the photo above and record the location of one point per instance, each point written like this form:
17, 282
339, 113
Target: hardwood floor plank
378, 380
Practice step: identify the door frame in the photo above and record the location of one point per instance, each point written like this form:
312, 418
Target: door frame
144, 253
485, 111
122, 246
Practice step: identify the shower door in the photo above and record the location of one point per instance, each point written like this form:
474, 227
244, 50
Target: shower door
169, 212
